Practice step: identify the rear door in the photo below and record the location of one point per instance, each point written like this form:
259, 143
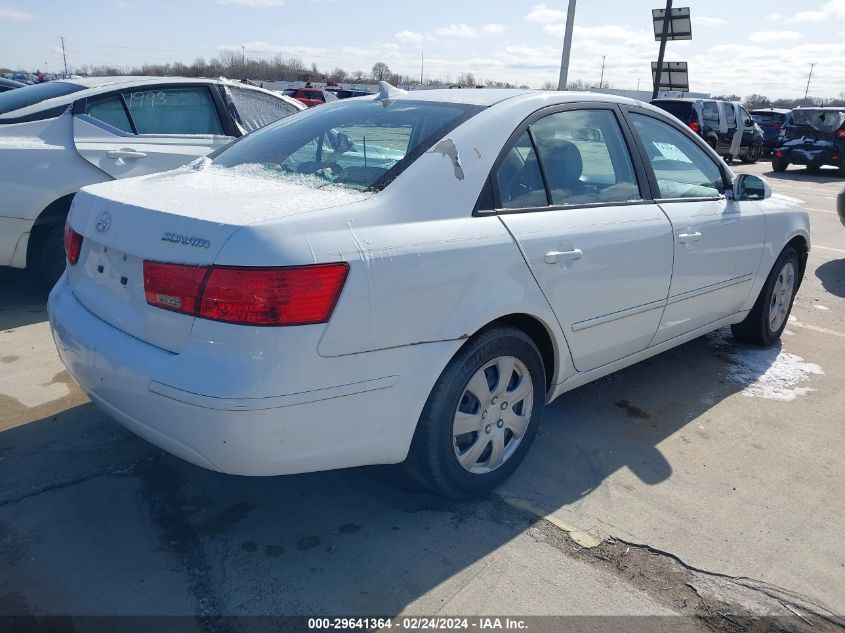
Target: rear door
141, 131
718, 243
569, 192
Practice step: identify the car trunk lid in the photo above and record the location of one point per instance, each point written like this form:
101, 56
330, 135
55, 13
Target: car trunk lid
184, 217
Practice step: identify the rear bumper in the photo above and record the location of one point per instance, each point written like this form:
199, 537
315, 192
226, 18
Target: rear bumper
366, 421
812, 157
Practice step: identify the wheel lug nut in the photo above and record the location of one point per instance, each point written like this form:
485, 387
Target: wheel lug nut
504, 405
483, 414
493, 401
500, 423
487, 428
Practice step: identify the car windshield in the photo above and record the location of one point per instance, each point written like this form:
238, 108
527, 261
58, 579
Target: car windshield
818, 119
361, 145
30, 95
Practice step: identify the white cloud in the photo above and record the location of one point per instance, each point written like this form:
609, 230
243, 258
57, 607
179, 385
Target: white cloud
809, 16
835, 8
774, 17
544, 15
703, 20
774, 36
457, 30
258, 4
493, 28
410, 37
14, 15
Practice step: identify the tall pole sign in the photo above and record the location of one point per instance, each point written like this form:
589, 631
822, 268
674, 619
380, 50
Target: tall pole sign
669, 24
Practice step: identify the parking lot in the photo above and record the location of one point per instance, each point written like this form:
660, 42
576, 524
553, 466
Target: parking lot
705, 482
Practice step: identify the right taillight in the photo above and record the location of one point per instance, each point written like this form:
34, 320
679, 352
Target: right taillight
73, 244
291, 295
695, 127
840, 133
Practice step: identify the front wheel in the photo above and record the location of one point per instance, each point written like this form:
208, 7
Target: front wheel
767, 319
481, 416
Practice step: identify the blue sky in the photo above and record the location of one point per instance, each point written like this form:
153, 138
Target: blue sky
740, 47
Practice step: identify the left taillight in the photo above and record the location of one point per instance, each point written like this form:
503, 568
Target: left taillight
840, 133
73, 244
291, 295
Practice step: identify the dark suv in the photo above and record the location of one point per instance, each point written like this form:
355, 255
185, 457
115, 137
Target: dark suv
702, 117
813, 137
771, 120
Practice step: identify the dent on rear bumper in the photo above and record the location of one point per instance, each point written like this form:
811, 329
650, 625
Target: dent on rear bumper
365, 421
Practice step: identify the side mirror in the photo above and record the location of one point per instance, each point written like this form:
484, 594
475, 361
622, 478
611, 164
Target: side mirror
750, 187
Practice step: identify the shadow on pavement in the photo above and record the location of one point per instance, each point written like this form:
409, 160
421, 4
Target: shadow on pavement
96, 521
802, 174
832, 276
23, 299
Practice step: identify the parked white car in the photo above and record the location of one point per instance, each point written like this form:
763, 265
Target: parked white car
281, 308
59, 136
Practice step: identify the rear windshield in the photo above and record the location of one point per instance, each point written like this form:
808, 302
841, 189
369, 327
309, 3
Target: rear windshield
357, 144
768, 117
289, 92
680, 109
821, 120
30, 95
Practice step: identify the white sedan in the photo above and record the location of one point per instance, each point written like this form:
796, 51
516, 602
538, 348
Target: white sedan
412, 277
59, 136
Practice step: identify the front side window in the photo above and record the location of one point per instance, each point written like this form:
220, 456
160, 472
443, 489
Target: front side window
173, 111
682, 168
585, 157
110, 110
255, 109
363, 145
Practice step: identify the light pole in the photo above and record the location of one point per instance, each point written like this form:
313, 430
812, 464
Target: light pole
665, 33
567, 46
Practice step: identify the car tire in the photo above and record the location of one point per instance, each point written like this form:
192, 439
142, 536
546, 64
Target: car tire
754, 153
472, 435
51, 255
767, 319
778, 164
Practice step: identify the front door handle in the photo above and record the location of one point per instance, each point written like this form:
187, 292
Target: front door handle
686, 238
552, 257
125, 152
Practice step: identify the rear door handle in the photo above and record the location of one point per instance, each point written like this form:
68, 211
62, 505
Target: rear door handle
553, 257
686, 238
125, 152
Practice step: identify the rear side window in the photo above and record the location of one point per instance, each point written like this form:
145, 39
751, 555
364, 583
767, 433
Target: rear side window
256, 109
173, 111
518, 177
682, 168
110, 110
585, 157
710, 113
30, 95
680, 109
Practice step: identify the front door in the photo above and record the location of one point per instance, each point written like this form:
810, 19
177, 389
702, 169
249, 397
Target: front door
138, 132
569, 194
718, 242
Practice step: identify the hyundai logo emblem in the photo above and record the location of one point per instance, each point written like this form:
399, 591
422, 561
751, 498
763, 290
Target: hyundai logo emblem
103, 222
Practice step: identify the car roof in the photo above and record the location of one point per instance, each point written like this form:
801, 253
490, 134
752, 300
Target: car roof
11, 83
93, 86
775, 110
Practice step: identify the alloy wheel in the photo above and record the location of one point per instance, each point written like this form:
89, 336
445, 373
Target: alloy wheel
781, 297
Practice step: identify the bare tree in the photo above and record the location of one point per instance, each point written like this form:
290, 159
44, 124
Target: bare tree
380, 71
337, 75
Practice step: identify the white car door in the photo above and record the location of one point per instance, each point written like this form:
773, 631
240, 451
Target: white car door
718, 242
152, 129
569, 193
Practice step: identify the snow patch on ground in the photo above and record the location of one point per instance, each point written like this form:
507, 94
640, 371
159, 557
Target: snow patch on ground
765, 372
820, 307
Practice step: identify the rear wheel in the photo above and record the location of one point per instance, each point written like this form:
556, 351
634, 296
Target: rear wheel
779, 164
767, 319
481, 416
51, 256
754, 153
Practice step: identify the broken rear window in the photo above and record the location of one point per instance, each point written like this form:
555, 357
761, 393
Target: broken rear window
818, 119
362, 145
